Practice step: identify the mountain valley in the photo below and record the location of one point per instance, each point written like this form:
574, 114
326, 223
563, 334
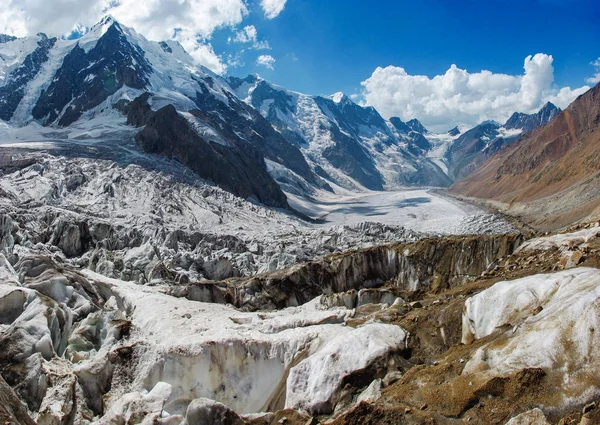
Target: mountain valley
181, 247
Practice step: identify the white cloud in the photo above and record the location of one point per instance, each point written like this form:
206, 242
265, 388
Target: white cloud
272, 8
192, 22
267, 61
249, 34
462, 98
596, 78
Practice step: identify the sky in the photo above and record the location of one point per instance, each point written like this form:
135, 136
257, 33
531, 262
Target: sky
445, 62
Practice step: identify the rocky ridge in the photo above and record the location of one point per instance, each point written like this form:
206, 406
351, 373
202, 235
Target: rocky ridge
548, 177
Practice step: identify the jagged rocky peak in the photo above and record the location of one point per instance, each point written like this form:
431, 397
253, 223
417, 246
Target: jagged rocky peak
528, 122
13, 91
5, 38
400, 125
87, 77
454, 132
415, 125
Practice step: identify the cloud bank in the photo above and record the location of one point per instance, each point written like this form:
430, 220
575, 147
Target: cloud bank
191, 22
462, 98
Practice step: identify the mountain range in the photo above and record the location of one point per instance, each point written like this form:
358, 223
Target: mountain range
550, 177
248, 136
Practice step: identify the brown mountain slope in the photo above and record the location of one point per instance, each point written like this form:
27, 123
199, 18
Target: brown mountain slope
550, 176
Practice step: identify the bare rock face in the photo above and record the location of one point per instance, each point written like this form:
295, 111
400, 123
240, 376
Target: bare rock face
238, 169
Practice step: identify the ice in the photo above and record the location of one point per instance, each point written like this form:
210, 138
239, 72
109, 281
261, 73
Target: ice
421, 210
240, 359
562, 241
549, 321
315, 382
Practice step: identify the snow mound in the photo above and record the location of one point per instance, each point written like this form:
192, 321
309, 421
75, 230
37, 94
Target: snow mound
314, 383
552, 322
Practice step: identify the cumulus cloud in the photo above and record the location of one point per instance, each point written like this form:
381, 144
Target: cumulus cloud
462, 98
596, 78
272, 8
191, 22
267, 61
249, 34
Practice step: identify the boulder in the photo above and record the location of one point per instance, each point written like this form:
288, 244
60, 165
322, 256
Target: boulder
209, 412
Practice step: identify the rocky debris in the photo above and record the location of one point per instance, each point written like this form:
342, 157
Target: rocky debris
391, 377
532, 417
11, 407
124, 351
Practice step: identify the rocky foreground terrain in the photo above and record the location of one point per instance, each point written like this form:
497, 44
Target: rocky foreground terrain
113, 323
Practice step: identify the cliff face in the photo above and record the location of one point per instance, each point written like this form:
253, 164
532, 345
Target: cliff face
550, 175
431, 264
238, 169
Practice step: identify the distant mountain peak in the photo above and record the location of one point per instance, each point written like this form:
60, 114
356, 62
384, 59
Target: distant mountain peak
415, 125
454, 132
104, 25
528, 122
338, 97
549, 105
491, 123
5, 38
107, 20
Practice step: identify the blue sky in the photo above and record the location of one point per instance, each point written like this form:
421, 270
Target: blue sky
322, 47
447, 63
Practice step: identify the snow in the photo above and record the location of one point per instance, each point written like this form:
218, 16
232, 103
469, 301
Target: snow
314, 122
441, 143
561, 241
41, 81
314, 382
421, 210
240, 359
550, 321
337, 97
13, 53
204, 130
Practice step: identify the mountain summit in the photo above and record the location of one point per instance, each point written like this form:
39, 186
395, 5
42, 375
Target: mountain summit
527, 122
550, 176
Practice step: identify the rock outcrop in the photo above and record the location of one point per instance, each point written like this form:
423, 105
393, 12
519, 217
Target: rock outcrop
242, 172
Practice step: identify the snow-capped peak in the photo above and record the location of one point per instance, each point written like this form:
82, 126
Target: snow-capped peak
338, 97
